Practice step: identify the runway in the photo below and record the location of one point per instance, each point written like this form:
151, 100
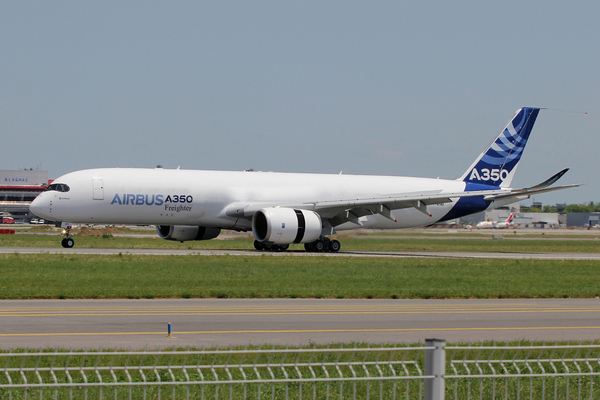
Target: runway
136, 324
393, 254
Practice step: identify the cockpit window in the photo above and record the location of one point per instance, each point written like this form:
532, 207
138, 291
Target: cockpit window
59, 187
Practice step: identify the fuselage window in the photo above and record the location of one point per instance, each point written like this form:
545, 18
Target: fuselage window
59, 187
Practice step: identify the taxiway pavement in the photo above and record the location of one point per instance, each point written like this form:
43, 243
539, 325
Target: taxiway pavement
111, 324
396, 254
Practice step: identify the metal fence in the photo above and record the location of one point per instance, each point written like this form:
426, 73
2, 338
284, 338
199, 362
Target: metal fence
546, 371
275, 373
429, 371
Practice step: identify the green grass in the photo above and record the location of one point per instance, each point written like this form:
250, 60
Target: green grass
348, 244
476, 245
129, 276
30, 240
435, 233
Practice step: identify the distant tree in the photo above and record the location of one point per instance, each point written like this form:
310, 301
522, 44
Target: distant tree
564, 208
550, 209
530, 209
580, 208
561, 207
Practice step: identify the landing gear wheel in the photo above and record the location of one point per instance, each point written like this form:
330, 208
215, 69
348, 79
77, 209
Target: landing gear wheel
334, 246
258, 245
319, 246
68, 243
284, 247
309, 247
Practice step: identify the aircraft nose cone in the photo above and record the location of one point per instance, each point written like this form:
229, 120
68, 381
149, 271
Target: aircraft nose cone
40, 207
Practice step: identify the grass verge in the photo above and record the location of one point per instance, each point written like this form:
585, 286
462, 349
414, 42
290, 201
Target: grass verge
348, 244
130, 276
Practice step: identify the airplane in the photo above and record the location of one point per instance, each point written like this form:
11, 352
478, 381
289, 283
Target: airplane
285, 208
506, 224
496, 224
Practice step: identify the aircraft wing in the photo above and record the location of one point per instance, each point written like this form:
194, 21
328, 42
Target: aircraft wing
338, 212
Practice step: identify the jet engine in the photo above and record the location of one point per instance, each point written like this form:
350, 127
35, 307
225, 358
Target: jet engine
184, 233
274, 225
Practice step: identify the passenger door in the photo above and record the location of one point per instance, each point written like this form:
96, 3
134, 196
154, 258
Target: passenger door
98, 189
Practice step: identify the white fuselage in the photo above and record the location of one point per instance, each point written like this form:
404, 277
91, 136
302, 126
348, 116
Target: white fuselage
201, 198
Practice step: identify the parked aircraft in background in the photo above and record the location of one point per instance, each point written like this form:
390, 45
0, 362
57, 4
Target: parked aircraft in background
285, 208
496, 224
506, 224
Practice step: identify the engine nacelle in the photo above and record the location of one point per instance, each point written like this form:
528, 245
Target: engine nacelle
183, 233
285, 225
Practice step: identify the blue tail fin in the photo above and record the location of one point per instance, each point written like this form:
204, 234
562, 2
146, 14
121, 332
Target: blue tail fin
497, 165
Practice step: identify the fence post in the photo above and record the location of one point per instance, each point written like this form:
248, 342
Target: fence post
435, 364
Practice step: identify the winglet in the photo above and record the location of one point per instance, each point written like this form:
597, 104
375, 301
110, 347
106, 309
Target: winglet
551, 180
537, 189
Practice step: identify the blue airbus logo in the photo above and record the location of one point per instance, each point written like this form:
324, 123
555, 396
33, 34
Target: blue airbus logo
149, 200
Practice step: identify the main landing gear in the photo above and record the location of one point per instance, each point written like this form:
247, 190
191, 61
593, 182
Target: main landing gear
324, 245
319, 246
68, 241
270, 247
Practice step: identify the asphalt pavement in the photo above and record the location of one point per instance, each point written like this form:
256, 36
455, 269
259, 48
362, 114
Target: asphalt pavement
395, 254
109, 324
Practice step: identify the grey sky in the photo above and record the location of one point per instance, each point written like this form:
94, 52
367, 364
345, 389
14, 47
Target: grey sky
392, 88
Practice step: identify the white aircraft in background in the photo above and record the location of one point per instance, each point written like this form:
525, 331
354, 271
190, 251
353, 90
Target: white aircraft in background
285, 208
496, 224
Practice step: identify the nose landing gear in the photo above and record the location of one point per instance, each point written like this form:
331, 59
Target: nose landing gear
68, 241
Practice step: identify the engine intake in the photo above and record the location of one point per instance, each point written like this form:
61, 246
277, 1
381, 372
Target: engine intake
182, 233
286, 225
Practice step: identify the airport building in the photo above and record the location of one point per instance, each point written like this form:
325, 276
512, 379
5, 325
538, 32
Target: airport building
534, 220
18, 189
583, 220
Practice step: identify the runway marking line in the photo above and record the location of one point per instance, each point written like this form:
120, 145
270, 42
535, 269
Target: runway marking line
297, 308
332, 312
284, 310
235, 312
301, 331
